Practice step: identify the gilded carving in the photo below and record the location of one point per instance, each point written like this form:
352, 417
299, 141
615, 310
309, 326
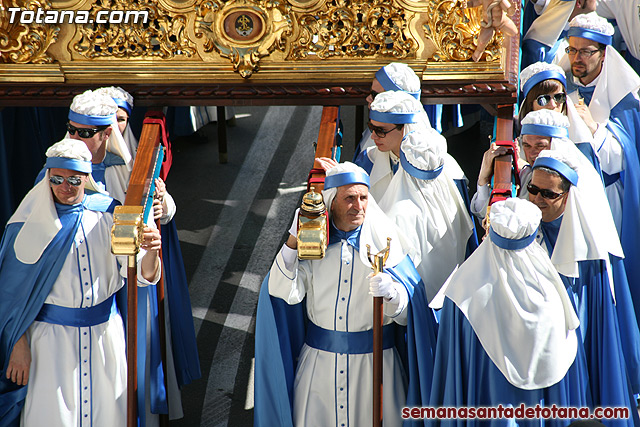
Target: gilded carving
28, 42
243, 31
163, 36
454, 31
353, 29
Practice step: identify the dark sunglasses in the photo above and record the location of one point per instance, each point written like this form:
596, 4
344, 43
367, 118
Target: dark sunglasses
84, 132
71, 180
379, 131
546, 194
558, 98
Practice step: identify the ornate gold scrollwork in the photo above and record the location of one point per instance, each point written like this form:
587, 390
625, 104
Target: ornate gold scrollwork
454, 30
164, 35
243, 30
353, 29
22, 43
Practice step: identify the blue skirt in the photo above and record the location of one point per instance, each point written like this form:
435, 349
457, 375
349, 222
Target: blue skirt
465, 376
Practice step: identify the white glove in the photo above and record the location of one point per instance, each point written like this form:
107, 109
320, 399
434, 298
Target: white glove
382, 285
293, 230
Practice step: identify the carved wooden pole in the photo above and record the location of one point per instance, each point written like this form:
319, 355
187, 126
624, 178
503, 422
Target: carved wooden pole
377, 264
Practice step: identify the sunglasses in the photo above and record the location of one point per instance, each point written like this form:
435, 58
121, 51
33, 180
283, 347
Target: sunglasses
546, 194
558, 98
84, 132
381, 133
74, 181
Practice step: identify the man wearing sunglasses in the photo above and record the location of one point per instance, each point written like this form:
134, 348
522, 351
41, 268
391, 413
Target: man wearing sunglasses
63, 340
578, 232
393, 76
92, 120
414, 187
541, 130
183, 364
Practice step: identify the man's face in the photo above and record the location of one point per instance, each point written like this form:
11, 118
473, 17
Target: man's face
551, 208
66, 193
97, 144
585, 67
123, 119
376, 88
349, 206
532, 145
392, 136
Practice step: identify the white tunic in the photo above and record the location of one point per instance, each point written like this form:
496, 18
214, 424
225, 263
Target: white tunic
627, 16
78, 375
430, 213
333, 389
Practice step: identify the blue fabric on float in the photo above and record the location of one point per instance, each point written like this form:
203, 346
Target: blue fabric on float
183, 336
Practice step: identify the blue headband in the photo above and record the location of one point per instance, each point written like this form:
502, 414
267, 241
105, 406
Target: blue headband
388, 84
545, 130
346, 178
395, 118
65, 163
124, 105
590, 35
543, 75
419, 173
85, 119
558, 166
511, 244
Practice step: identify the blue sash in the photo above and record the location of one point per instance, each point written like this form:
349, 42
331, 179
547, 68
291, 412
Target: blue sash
347, 342
78, 317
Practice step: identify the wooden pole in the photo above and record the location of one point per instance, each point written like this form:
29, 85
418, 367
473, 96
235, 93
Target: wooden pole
132, 345
377, 361
377, 263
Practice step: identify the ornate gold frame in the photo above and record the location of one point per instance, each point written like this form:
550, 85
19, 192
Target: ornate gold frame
189, 48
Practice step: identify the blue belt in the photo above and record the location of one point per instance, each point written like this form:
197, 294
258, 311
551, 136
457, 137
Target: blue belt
347, 342
610, 179
78, 317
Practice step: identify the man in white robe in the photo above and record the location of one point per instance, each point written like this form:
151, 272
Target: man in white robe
333, 382
66, 353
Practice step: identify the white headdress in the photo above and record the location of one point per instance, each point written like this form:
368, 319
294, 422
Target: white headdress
425, 203
515, 301
399, 76
124, 101
587, 231
376, 226
37, 210
616, 79
548, 26
92, 108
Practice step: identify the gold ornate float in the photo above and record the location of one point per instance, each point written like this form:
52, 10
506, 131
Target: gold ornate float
196, 51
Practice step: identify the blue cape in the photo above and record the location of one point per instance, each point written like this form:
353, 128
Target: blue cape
24, 289
600, 330
465, 376
280, 334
